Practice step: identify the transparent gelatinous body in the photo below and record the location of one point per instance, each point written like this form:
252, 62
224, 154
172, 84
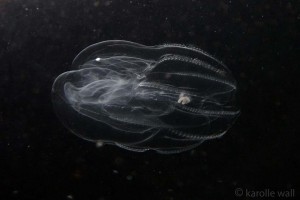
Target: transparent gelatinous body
167, 98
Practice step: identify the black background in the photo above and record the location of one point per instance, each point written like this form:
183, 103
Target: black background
257, 40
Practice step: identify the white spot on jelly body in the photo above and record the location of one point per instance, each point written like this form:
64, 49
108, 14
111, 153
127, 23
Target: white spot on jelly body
98, 59
183, 99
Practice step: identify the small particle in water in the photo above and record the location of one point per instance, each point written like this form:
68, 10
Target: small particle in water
69, 196
129, 177
118, 161
96, 3
98, 59
15, 192
99, 144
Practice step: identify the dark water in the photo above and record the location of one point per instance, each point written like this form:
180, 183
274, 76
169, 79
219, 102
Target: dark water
257, 40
